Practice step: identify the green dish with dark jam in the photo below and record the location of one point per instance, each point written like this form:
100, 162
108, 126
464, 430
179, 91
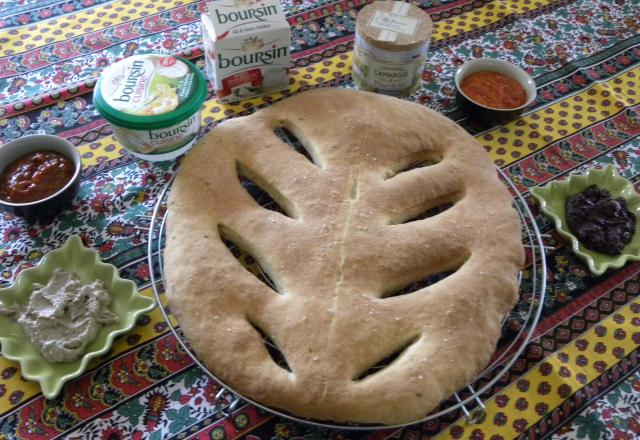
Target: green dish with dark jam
553, 202
600, 222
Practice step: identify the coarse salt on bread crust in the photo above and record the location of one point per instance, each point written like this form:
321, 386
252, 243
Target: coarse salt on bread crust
343, 248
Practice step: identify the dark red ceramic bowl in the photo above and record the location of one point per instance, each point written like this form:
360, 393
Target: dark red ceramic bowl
47, 207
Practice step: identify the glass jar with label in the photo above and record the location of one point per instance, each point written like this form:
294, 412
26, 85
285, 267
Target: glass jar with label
153, 103
392, 39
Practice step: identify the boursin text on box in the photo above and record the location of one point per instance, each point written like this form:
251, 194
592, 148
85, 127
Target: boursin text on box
246, 48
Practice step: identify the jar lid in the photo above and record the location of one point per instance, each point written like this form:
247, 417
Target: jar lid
394, 26
149, 91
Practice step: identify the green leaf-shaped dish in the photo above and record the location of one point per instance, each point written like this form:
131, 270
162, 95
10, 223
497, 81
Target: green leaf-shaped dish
126, 302
553, 197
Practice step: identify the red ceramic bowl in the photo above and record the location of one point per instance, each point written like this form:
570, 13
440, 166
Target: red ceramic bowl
49, 206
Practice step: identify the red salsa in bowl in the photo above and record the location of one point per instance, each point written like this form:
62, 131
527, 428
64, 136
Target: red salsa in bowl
35, 176
494, 89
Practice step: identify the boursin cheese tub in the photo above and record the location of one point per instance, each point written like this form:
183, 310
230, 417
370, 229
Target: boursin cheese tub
246, 46
152, 102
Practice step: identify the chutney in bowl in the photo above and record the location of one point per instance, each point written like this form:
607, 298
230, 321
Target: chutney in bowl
39, 176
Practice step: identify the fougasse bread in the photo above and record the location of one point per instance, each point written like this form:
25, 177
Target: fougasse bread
351, 238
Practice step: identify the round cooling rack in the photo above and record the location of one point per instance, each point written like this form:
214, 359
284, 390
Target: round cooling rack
517, 328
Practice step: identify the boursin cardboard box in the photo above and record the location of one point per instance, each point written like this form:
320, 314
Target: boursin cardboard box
246, 46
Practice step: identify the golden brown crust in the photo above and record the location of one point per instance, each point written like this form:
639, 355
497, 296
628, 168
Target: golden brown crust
343, 251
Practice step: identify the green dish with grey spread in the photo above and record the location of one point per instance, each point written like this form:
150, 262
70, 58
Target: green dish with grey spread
153, 104
126, 303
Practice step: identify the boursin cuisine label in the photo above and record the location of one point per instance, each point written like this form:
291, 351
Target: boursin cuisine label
246, 48
147, 84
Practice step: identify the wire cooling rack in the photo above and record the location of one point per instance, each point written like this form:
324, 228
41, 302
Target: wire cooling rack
517, 328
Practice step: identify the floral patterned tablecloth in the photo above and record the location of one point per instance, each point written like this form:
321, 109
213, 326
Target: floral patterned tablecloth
577, 379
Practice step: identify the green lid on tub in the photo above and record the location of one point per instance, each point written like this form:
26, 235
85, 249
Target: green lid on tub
149, 91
